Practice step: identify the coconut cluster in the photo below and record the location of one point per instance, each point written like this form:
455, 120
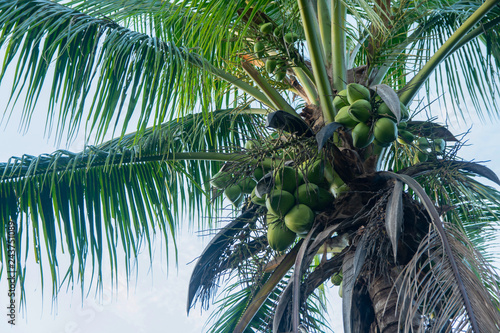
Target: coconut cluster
301, 189
274, 64
297, 195
370, 119
233, 190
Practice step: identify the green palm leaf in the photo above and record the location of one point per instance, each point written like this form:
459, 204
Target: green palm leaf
118, 194
130, 70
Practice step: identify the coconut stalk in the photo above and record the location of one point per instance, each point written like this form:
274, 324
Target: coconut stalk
421, 77
252, 91
317, 61
325, 30
339, 69
307, 84
274, 96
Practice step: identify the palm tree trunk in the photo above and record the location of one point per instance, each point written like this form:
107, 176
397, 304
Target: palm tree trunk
385, 304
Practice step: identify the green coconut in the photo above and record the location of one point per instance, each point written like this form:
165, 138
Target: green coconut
381, 144
337, 279
287, 179
385, 130
256, 200
273, 219
291, 37
313, 172
423, 143
307, 194
421, 157
384, 111
221, 179
233, 193
278, 31
251, 144
362, 135
266, 28
279, 236
344, 118
341, 100
259, 49
360, 110
280, 75
258, 173
315, 197
247, 185
356, 91
270, 65
439, 145
405, 137
402, 125
325, 199
280, 202
299, 219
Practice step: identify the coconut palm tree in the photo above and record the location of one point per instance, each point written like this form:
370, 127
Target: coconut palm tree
304, 114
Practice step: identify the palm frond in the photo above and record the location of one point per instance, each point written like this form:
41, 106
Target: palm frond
467, 204
478, 81
128, 69
428, 281
239, 294
118, 194
227, 251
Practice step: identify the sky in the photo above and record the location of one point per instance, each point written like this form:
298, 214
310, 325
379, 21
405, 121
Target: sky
155, 298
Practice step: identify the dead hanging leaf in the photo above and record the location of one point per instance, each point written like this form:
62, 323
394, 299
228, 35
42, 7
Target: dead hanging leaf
210, 257
425, 167
394, 216
353, 263
266, 289
478, 169
284, 121
428, 285
308, 250
390, 98
326, 133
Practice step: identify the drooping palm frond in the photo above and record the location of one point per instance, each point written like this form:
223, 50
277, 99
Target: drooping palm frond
467, 204
452, 183
117, 194
471, 300
218, 28
226, 253
239, 295
129, 70
428, 288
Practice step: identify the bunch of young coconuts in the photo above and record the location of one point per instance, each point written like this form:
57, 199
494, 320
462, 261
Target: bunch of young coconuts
299, 192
